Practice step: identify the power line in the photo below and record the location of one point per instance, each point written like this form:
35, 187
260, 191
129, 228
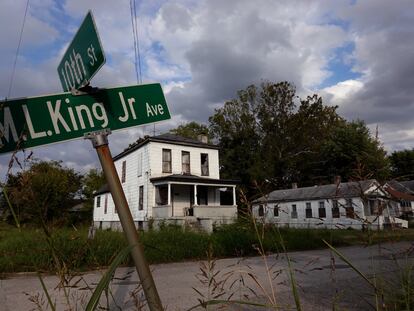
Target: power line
17, 50
133, 8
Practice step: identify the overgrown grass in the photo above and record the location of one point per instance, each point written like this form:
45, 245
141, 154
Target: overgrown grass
27, 250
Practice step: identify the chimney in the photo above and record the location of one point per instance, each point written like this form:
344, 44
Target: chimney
294, 185
337, 180
203, 138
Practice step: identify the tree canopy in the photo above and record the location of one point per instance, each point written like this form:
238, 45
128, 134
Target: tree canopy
269, 134
402, 164
44, 192
191, 130
91, 182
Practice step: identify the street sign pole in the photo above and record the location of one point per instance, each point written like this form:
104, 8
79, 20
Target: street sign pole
100, 143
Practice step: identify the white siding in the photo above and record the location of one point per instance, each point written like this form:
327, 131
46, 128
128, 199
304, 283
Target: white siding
99, 212
145, 163
195, 159
285, 211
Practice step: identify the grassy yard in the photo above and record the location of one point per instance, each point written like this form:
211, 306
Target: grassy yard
29, 250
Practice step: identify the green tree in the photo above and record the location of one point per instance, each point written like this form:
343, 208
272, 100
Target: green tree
91, 182
268, 133
44, 192
191, 130
352, 153
402, 164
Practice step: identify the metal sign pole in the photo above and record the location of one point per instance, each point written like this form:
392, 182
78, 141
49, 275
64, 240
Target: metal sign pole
100, 143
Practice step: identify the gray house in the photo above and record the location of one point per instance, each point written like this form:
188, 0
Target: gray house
340, 205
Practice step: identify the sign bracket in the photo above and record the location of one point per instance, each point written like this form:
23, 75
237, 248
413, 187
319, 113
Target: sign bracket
85, 90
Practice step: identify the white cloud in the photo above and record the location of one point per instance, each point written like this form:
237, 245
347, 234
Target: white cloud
204, 51
341, 91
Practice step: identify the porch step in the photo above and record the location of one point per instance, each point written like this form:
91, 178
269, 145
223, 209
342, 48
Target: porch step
193, 224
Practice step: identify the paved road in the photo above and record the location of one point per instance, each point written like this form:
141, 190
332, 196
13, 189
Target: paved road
320, 286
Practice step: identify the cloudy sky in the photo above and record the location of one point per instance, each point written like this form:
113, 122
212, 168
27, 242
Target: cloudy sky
358, 55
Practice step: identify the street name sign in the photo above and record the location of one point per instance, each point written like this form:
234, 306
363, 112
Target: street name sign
83, 58
36, 121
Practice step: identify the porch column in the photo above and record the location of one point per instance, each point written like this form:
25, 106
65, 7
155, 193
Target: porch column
234, 196
169, 194
195, 195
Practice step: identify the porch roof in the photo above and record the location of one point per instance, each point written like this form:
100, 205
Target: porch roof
193, 179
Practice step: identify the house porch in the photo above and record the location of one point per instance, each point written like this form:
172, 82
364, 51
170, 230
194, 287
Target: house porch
200, 198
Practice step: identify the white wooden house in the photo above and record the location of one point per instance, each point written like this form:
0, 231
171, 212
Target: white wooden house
354, 205
170, 179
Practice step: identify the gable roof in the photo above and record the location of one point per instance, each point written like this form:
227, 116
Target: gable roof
102, 190
165, 138
342, 190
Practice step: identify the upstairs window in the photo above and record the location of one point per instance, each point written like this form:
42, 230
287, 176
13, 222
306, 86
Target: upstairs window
204, 164
294, 211
185, 161
123, 175
335, 209
322, 210
139, 164
308, 210
141, 198
98, 201
166, 160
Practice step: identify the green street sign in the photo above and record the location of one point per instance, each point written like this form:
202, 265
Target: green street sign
36, 121
83, 58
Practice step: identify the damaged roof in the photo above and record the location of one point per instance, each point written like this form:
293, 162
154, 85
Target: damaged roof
341, 190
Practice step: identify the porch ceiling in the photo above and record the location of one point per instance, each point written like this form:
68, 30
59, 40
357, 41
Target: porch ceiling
192, 179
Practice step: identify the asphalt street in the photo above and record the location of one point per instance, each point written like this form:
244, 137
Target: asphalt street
323, 281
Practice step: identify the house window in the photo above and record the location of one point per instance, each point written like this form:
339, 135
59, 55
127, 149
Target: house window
294, 211
261, 211
141, 198
349, 209
335, 209
166, 160
140, 225
202, 195
98, 201
204, 164
185, 161
405, 203
276, 211
139, 164
123, 175
106, 204
162, 198
308, 210
322, 210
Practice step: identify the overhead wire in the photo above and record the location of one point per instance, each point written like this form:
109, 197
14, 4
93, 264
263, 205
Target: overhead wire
17, 50
137, 61
135, 34
12, 80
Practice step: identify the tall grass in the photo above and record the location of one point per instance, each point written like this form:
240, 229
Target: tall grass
28, 250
